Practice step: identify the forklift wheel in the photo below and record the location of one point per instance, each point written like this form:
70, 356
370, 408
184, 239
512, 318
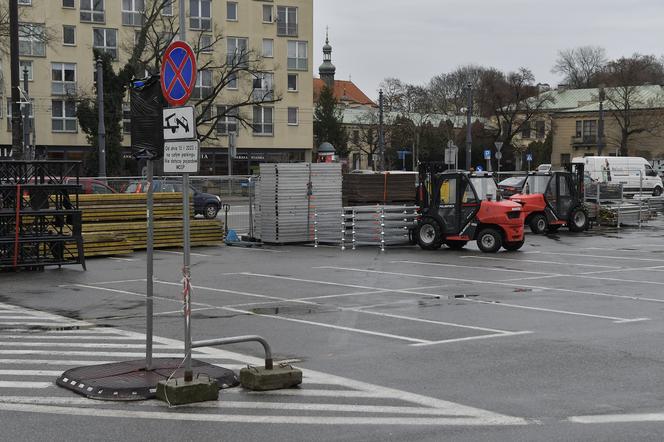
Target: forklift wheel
456, 244
489, 240
429, 234
538, 224
513, 246
578, 219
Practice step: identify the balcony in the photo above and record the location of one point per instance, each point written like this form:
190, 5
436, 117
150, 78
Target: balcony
584, 141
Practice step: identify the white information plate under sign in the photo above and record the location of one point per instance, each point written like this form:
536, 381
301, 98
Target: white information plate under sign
179, 123
181, 156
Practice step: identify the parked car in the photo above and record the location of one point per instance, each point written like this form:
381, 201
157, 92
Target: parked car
92, 186
511, 186
544, 168
205, 204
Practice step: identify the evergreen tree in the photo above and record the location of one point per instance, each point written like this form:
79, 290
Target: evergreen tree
328, 123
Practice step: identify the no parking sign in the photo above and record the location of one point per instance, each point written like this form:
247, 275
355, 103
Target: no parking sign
178, 73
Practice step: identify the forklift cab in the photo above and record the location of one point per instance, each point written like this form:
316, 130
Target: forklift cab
562, 190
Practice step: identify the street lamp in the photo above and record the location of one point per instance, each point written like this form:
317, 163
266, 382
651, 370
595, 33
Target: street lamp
600, 124
469, 129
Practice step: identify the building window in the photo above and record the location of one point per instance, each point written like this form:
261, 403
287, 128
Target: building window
263, 120
126, 118
231, 11
106, 40
356, 137
287, 21
263, 87
167, 9
22, 66
226, 120
564, 159
268, 48
525, 129
267, 14
63, 78
68, 4
540, 126
63, 116
92, 11
31, 41
292, 82
586, 130
293, 116
297, 55
25, 2
68, 35
203, 87
132, 12
236, 50
200, 15
206, 43
31, 117
232, 81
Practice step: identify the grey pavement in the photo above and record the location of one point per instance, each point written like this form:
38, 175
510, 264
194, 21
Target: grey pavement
560, 341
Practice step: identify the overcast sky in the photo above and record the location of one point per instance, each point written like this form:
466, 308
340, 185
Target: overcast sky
416, 39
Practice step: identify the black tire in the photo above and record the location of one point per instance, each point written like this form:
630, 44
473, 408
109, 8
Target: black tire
456, 244
538, 223
429, 234
513, 246
578, 219
489, 240
657, 191
210, 211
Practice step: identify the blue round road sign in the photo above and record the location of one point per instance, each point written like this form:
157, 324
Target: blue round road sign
178, 73
479, 168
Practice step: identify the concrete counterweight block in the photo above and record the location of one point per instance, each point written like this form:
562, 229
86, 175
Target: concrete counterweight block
264, 379
179, 392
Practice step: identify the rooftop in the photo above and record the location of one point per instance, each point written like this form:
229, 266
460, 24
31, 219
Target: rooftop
345, 92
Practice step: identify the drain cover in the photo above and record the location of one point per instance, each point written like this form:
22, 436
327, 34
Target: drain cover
129, 381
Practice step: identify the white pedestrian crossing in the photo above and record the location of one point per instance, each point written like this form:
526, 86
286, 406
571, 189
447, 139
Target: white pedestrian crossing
29, 357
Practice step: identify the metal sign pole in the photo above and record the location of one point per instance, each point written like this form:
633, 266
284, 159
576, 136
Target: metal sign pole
149, 305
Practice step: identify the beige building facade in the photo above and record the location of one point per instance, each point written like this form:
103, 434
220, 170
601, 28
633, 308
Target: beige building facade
61, 69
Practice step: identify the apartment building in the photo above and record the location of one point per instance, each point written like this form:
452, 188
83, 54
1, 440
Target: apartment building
56, 47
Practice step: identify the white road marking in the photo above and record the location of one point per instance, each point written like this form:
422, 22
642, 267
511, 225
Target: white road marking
530, 278
17, 384
498, 269
105, 354
81, 345
499, 283
426, 321
232, 292
562, 312
493, 258
626, 269
472, 338
618, 418
103, 337
121, 281
583, 255
115, 258
43, 324
336, 327
54, 373
264, 419
180, 253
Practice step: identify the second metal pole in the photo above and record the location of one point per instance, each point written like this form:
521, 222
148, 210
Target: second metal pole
186, 275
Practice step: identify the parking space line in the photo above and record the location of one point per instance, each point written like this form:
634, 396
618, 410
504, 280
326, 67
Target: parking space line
626, 269
493, 258
115, 258
472, 338
618, 418
180, 253
499, 283
583, 255
562, 312
336, 327
533, 277
31, 385
469, 267
54, 373
376, 292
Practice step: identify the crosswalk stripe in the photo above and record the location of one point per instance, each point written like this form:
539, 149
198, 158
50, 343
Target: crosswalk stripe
84, 345
72, 337
55, 373
114, 354
12, 384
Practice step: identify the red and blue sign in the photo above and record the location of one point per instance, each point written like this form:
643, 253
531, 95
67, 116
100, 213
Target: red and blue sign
178, 73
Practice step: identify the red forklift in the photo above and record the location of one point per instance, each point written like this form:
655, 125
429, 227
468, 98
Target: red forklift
457, 207
552, 200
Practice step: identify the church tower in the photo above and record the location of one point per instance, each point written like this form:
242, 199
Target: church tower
327, 69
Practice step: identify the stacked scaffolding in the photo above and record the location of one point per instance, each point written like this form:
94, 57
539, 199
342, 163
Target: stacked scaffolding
378, 225
40, 220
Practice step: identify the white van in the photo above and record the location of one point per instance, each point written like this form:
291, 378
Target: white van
627, 171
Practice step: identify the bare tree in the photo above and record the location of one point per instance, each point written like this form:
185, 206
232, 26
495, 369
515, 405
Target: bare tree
580, 66
367, 139
512, 100
448, 90
634, 97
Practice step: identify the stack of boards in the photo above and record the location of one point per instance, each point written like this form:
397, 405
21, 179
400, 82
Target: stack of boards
296, 199
116, 224
379, 188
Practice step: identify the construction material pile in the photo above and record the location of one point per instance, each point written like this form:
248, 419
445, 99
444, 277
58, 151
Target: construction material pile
295, 202
379, 188
116, 224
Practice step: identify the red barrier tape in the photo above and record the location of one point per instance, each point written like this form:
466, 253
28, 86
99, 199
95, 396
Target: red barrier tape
18, 224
